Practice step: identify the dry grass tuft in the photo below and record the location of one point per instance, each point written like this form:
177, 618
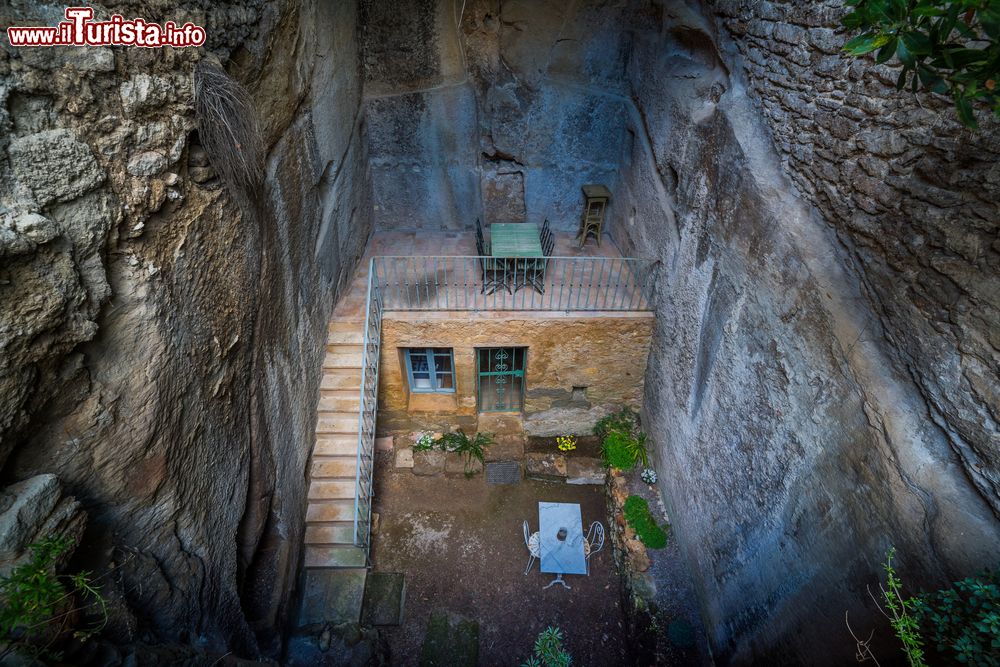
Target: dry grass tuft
228, 129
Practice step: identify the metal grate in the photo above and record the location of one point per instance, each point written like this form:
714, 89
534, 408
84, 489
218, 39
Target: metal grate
503, 472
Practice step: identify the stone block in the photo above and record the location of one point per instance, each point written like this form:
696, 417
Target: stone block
506, 448
455, 464
404, 458
584, 470
384, 444
428, 463
546, 466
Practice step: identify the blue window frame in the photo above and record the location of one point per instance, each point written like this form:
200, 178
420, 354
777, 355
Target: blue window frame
430, 370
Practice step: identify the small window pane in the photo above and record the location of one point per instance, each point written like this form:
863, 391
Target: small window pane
431, 369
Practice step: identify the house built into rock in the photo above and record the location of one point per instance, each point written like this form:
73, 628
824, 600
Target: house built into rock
813, 345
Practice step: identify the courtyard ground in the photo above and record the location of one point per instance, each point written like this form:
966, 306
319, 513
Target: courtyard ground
460, 545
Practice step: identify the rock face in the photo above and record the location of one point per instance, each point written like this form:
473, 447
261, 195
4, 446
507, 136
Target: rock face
489, 109
31, 511
160, 346
794, 442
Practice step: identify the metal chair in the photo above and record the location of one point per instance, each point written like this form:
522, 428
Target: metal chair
537, 272
480, 238
532, 554
494, 271
595, 537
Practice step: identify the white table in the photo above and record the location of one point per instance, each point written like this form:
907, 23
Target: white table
560, 540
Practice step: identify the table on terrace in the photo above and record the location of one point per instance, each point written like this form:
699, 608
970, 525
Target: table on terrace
518, 240
561, 543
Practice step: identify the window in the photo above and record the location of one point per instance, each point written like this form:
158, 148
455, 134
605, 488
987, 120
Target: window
430, 369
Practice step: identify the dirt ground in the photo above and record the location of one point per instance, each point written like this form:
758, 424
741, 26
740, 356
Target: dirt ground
460, 544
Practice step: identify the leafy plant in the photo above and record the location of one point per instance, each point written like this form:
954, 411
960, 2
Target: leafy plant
899, 611
951, 47
473, 448
963, 621
621, 439
38, 604
648, 475
618, 452
625, 420
637, 514
549, 650
424, 443
566, 443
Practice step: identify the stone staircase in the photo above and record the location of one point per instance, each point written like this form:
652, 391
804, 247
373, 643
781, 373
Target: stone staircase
329, 534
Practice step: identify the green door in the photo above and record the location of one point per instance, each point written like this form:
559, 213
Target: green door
501, 378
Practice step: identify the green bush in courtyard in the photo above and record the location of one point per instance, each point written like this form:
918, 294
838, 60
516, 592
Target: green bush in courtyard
637, 514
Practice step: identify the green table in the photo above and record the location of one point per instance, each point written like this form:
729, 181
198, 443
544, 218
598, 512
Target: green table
517, 239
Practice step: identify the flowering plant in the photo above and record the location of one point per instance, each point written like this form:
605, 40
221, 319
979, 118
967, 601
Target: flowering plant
424, 442
566, 443
648, 475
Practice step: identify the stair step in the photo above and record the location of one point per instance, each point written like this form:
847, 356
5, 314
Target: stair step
326, 467
334, 556
346, 333
341, 378
330, 510
331, 489
336, 445
343, 359
337, 422
341, 532
339, 400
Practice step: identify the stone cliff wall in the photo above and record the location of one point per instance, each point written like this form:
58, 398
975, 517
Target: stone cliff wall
489, 109
160, 348
914, 199
793, 432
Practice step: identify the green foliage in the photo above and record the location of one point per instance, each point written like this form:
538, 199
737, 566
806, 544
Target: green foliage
901, 615
963, 621
549, 650
38, 603
622, 442
424, 443
618, 451
637, 514
951, 47
473, 448
624, 421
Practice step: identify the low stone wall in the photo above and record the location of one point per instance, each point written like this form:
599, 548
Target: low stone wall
555, 466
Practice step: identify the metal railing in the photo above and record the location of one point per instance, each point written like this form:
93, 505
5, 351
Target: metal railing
496, 283
367, 414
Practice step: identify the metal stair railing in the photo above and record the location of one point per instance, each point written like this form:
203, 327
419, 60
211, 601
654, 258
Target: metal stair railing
368, 413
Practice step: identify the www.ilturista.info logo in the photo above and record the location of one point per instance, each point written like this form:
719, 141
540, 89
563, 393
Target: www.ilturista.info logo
79, 30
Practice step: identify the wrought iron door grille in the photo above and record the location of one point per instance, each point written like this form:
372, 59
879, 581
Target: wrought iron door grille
500, 373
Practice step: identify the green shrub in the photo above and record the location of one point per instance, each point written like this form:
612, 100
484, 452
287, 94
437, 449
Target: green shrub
963, 621
473, 448
637, 514
618, 452
549, 650
625, 420
950, 47
622, 442
38, 605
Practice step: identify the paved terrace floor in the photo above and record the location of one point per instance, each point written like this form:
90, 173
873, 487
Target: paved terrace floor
451, 244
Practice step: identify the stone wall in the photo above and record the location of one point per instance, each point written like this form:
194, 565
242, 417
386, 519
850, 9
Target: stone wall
793, 436
913, 197
563, 353
161, 350
489, 109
